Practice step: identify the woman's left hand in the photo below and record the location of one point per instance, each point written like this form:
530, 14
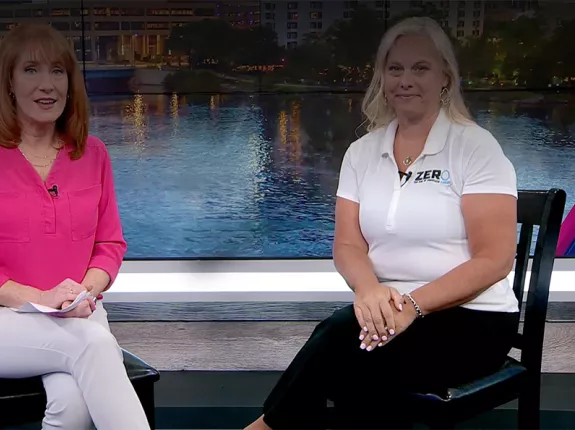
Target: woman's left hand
403, 319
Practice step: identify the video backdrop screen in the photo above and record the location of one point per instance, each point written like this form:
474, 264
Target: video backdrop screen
227, 120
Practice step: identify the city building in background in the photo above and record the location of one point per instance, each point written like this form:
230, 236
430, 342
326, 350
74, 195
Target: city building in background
125, 31
294, 20
131, 31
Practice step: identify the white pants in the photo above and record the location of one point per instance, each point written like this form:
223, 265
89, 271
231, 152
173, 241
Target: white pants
81, 365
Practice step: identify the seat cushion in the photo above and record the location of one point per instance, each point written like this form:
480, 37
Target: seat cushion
26, 389
470, 399
138, 370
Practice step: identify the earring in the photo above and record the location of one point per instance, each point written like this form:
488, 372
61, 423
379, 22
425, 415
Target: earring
12, 95
444, 97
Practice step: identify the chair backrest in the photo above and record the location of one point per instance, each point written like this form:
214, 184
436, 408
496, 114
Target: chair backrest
543, 209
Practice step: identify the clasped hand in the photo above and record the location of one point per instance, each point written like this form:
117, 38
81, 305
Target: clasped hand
382, 315
63, 294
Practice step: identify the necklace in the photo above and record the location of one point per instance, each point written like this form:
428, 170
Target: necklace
49, 159
407, 161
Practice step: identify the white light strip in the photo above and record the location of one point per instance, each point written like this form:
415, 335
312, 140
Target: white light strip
277, 280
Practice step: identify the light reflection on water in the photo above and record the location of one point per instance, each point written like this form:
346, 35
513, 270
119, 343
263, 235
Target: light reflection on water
255, 176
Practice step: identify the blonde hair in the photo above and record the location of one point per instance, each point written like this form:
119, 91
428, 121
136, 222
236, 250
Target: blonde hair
378, 113
47, 43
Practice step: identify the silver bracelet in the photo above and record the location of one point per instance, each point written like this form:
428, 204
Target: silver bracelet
415, 305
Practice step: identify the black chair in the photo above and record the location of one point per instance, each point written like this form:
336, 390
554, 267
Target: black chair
515, 380
24, 400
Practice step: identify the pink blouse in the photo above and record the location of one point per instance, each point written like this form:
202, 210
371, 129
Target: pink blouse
58, 229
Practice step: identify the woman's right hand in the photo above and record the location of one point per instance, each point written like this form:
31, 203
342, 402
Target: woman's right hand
84, 310
372, 306
66, 291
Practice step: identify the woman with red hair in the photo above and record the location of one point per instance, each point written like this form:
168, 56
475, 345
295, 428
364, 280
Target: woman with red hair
60, 235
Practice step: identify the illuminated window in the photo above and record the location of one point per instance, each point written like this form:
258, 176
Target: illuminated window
182, 12
158, 25
158, 12
79, 12
60, 12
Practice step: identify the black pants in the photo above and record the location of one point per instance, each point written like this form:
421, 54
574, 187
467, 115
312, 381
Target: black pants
443, 349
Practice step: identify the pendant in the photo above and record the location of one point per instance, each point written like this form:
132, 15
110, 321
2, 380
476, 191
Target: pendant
407, 161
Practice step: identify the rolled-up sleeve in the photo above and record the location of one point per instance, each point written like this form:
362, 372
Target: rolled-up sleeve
110, 246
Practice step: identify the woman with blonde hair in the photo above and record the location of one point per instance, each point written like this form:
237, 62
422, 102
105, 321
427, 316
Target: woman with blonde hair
425, 236
60, 236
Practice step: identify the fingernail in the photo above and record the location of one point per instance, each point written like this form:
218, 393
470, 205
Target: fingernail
400, 307
362, 346
365, 329
380, 344
369, 348
384, 338
374, 337
361, 337
392, 332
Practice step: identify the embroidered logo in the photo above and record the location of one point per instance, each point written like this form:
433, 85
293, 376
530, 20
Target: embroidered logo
438, 176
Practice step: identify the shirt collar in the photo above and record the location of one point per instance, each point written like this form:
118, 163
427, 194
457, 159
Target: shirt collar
436, 139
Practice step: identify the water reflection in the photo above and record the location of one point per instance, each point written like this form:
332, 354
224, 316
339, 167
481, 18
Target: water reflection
255, 175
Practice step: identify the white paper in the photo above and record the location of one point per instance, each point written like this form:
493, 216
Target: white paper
29, 307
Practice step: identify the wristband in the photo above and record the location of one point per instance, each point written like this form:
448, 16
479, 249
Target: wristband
415, 305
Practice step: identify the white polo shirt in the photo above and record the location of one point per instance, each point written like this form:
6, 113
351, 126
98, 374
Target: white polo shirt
415, 228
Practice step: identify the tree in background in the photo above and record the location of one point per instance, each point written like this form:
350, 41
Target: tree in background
216, 44
522, 52
354, 42
510, 53
476, 57
427, 10
258, 46
560, 51
310, 60
346, 51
